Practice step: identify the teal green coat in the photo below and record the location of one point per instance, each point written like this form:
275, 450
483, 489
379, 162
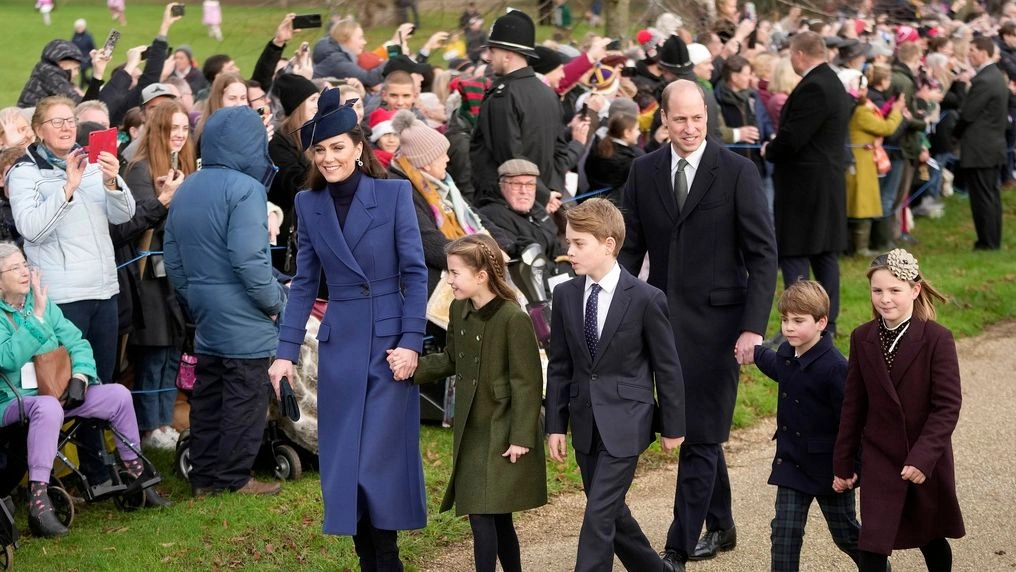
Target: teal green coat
33, 337
498, 393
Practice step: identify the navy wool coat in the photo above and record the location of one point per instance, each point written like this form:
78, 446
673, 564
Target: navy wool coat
807, 414
369, 427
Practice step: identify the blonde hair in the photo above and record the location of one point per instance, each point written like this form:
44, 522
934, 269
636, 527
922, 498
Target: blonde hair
342, 31
763, 64
45, 105
600, 218
805, 297
13, 114
924, 305
784, 78
480, 252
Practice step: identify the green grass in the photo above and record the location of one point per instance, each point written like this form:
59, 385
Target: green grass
284, 533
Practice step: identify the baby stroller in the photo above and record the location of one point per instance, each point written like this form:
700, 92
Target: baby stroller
13, 464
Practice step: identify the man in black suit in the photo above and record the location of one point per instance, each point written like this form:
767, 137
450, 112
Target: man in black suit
612, 347
981, 131
700, 213
809, 155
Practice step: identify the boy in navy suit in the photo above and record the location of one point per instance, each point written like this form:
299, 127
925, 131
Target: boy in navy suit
611, 346
812, 374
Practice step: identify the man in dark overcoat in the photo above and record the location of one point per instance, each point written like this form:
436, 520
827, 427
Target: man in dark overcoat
809, 156
520, 117
698, 210
981, 131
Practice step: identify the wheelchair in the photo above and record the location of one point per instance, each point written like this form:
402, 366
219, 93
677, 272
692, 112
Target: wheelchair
127, 493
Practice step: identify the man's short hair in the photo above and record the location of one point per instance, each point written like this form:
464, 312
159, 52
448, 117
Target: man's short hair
89, 105
910, 52
733, 65
984, 44
673, 86
213, 66
1007, 29
399, 77
600, 218
805, 297
811, 44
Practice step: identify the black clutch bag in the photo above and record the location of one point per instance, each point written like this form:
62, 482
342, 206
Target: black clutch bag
287, 401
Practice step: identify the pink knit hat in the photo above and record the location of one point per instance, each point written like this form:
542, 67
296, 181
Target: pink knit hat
418, 143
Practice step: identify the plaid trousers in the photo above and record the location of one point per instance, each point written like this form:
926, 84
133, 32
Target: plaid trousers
792, 515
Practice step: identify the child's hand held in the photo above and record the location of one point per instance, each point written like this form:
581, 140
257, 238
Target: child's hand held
912, 474
514, 452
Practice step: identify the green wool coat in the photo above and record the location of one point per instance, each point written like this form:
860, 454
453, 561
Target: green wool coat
498, 393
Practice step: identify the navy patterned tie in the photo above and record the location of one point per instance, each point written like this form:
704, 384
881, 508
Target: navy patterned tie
592, 335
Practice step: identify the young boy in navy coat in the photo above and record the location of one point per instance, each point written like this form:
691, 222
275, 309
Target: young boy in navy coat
812, 374
611, 349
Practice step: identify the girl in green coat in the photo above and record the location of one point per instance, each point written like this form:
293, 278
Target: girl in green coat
498, 464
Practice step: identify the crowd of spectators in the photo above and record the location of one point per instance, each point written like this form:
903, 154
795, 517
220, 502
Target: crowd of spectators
494, 138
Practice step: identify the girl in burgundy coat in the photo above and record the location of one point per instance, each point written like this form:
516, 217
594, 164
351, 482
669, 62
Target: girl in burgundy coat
901, 405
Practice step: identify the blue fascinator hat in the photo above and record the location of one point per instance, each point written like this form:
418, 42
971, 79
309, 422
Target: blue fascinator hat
333, 118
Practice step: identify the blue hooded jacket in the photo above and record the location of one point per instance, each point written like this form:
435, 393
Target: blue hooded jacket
216, 246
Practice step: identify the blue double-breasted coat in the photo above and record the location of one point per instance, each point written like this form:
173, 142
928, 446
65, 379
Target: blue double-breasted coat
368, 424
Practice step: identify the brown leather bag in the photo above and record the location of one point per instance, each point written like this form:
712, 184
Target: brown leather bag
52, 370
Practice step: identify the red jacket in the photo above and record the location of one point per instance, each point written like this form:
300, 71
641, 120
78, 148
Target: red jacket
902, 418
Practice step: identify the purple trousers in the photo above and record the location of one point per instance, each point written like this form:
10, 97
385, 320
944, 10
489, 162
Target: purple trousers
45, 418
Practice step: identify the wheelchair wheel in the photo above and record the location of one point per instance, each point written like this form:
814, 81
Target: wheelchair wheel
63, 505
287, 463
182, 464
129, 502
7, 558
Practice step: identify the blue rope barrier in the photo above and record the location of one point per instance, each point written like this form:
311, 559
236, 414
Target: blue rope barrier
584, 196
146, 253
148, 391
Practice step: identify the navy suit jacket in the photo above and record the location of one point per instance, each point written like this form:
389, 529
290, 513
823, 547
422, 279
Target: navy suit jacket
635, 354
807, 414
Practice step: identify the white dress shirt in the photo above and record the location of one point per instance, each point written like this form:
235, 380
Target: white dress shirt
608, 284
691, 168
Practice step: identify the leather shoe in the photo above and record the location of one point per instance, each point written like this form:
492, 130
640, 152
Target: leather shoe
256, 487
672, 562
714, 541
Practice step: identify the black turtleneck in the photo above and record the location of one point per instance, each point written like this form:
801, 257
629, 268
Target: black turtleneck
342, 195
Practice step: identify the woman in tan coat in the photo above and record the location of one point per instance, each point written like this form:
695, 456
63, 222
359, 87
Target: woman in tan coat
867, 126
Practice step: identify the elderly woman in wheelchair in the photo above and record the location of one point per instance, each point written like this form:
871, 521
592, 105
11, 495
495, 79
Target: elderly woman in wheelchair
31, 326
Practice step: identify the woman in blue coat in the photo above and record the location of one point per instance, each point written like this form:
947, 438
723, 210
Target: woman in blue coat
361, 232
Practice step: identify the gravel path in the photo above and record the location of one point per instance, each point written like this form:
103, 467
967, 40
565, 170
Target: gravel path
986, 480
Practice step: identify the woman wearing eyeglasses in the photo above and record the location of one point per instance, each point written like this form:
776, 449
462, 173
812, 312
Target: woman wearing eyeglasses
63, 206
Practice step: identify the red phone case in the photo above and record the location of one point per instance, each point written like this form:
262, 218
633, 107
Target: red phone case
99, 141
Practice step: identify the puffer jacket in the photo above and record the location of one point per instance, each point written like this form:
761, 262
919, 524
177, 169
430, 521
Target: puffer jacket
48, 78
332, 60
28, 336
68, 241
216, 247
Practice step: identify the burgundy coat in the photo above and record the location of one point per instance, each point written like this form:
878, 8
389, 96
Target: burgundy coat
903, 418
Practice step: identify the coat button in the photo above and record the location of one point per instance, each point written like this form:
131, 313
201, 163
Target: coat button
476, 360
779, 461
784, 427
477, 338
784, 395
462, 332
365, 289
797, 433
474, 382
788, 362
462, 355
798, 401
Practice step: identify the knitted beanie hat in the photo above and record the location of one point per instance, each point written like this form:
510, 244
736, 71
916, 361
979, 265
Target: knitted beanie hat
380, 123
293, 90
418, 143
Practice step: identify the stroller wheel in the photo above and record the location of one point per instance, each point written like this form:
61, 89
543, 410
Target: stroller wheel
63, 505
129, 502
287, 463
183, 463
7, 558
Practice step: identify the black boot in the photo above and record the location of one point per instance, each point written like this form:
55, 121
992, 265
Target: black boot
42, 518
